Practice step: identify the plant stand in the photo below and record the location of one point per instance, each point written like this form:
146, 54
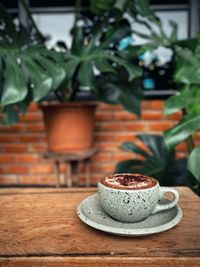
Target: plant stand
71, 161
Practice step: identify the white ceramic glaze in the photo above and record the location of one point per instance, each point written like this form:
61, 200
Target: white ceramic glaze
134, 205
91, 212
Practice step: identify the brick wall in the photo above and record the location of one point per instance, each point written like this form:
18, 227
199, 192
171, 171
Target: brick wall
22, 145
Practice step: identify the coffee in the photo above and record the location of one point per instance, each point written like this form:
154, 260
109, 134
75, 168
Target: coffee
129, 181
133, 197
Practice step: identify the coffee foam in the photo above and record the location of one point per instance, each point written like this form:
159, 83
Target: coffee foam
129, 181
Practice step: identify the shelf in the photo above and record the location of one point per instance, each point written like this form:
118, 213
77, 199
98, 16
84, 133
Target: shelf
159, 94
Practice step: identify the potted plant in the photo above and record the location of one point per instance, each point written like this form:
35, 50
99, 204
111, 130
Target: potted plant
187, 100
30, 72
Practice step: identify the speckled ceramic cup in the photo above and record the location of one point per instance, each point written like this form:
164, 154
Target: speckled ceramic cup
128, 204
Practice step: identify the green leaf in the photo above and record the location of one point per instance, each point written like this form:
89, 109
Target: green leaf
182, 100
86, 75
193, 163
187, 71
128, 166
12, 115
71, 67
130, 98
100, 6
56, 72
77, 42
187, 126
103, 65
14, 89
159, 162
142, 8
128, 146
42, 82
133, 70
155, 144
174, 33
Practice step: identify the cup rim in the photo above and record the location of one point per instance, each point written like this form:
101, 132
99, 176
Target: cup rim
129, 189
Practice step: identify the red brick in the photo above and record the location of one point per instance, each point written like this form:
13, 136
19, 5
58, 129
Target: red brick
102, 137
30, 179
102, 156
175, 117
27, 158
135, 126
104, 116
30, 117
108, 146
125, 136
32, 138
16, 128
42, 168
145, 104
48, 179
17, 169
124, 116
109, 127
103, 168
39, 127
6, 158
157, 104
122, 156
104, 106
2, 169
149, 115
8, 138
14, 148
8, 179
40, 147
33, 107
182, 146
160, 126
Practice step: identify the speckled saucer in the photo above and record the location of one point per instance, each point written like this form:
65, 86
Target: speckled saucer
91, 213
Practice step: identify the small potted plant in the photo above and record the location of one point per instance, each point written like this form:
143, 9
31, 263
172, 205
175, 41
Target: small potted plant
95, 61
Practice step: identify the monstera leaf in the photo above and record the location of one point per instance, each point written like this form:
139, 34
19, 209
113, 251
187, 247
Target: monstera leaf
193, 163
28, 74
157, 162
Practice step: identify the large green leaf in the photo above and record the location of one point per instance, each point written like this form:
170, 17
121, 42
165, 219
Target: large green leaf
194, 163
155, 145
129, 146
103, 65
57, 72
158, 162
114, 89
187, 126
12, 115
143, 9
182, 100
14, 89
77, 42
128, 166
86, 75
41, 81
187, 70
133, 70
130, 98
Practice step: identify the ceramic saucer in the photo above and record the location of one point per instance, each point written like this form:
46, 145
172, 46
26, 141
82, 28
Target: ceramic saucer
91, 213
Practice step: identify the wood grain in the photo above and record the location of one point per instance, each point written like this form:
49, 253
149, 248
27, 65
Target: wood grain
39, 227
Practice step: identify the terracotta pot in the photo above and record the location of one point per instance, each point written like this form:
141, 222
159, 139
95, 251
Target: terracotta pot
69, 127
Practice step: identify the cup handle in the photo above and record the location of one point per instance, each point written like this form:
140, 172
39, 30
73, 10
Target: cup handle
170, 205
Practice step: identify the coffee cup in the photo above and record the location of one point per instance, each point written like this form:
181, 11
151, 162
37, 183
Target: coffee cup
133, 197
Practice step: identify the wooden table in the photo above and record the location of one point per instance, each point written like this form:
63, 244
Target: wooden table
39, 227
